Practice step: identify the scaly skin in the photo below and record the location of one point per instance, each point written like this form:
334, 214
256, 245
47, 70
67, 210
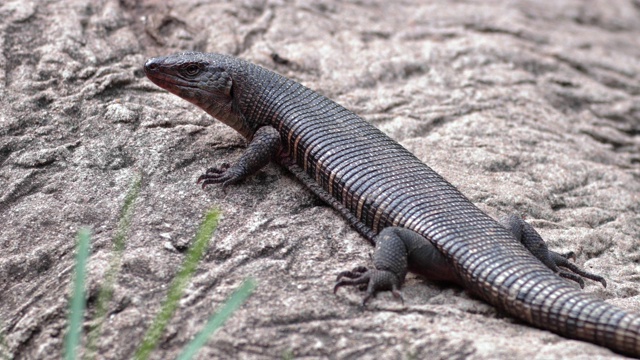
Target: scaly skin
376, 184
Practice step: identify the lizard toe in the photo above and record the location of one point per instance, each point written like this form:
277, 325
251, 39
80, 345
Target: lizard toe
374, 279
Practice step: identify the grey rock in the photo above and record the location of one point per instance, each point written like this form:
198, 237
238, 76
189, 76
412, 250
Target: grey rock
529, 107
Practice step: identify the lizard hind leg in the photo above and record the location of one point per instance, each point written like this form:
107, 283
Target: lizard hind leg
529, 237
398, 250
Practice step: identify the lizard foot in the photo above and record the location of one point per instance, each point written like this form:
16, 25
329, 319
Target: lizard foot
576, 274
225, 174
558, 263
374, 280
264, 146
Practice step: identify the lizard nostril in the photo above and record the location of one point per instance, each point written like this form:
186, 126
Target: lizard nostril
151, 65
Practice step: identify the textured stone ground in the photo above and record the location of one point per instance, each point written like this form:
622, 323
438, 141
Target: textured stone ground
530, 107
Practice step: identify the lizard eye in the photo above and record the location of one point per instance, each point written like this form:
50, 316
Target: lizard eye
192, 70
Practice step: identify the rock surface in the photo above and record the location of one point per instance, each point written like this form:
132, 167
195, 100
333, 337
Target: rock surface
530, 107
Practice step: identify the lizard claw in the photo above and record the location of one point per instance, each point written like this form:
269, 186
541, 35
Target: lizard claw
576, 274
217, 170
374, 279
224, 174
356, 272
358, 280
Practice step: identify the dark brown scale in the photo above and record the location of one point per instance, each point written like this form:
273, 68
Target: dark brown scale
315, 140
382, 196
280, 93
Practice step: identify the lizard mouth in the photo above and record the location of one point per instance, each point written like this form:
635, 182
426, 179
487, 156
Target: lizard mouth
168, 82
160, 76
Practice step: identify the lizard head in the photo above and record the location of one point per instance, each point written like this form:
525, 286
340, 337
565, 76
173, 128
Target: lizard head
202, 79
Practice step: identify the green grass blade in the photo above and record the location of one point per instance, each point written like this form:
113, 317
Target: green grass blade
106, 291
194, 254
76, 313
215, 321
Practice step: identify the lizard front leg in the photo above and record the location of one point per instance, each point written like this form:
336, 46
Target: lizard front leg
264, 146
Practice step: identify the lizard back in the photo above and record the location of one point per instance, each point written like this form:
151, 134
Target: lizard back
383, 184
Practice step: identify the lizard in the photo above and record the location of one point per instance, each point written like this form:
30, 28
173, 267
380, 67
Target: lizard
417, 220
